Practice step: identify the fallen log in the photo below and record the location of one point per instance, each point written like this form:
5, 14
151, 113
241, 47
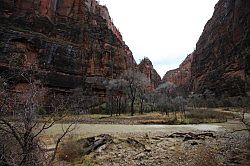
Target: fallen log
135, 143
192, 136
97, 142
70, 151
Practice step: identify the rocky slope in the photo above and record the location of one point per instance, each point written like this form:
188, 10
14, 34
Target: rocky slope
65, 44
221, 61
146, 67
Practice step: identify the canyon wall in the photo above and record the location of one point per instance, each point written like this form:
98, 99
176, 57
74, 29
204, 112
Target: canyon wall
221, 60
181, 76
65, 44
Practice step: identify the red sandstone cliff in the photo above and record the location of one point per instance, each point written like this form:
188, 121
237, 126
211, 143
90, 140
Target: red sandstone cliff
146, 67
221, 61
64, 43
181, 76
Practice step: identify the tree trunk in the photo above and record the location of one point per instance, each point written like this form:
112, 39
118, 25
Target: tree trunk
132, 107
126, 106
111, 109
119, 106
141, 107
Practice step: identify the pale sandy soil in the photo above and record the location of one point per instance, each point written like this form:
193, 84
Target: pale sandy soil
153, 146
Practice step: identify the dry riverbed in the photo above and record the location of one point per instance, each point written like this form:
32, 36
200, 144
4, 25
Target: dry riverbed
161, 144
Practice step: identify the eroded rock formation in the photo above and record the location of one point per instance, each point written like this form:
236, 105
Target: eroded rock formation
146, 67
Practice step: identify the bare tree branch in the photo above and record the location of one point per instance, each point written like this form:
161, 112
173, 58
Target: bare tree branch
68, 130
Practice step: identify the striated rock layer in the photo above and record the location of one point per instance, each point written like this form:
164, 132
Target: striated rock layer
65, 44
146, 67
221, 61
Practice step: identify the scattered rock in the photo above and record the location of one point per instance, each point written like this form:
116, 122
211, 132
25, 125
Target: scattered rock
134, 142
194, 143
147, 148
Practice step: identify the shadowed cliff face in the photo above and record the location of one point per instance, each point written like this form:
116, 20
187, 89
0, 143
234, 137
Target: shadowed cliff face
220, 62
61, 41
221, 57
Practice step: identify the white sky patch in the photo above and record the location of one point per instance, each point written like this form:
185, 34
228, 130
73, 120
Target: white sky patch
161, 69
165, 31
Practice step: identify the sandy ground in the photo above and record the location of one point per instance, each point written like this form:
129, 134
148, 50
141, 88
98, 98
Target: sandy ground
151, 145
89, 130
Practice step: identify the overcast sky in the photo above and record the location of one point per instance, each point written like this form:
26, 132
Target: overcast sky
165, 31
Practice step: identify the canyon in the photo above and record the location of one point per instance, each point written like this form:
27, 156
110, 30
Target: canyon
66, 89
70, 44
221, 60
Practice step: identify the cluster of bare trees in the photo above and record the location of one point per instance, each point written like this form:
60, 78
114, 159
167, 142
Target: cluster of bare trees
115, 95
136, 85
127, 90
208, 99
167, 101
132, 92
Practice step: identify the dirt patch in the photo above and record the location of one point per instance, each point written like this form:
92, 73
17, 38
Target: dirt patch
191, 145
161, 150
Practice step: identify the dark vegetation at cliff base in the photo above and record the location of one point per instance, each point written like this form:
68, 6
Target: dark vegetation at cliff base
200, 115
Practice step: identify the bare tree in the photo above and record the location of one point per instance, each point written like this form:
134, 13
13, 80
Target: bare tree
179, 104
115, 89
166, 88
163, 103
142, 98
142, 91
134, 82
195, 100
152, 99
19, 135
165, 92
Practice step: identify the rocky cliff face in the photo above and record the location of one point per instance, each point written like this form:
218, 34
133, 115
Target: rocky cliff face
146, 67
221, 60
181, 76
63, 42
